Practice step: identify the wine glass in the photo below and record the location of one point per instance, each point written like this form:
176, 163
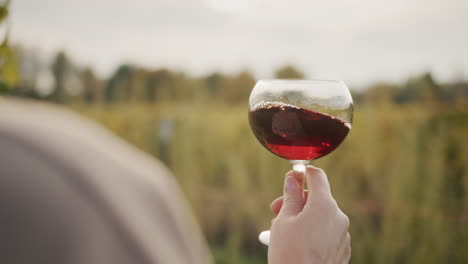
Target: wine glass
300, 120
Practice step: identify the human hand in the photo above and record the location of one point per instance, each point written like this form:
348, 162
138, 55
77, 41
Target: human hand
309, 228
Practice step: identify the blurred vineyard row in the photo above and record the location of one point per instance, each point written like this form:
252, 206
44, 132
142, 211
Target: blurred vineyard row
401, 176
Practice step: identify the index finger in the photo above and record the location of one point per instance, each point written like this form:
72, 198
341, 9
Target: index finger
317, 184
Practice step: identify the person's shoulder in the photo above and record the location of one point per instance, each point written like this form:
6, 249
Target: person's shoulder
59, 153
65, 137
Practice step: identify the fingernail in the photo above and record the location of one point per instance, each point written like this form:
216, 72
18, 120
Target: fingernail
291, 184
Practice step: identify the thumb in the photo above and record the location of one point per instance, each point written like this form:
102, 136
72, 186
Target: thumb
292, 199
317, 184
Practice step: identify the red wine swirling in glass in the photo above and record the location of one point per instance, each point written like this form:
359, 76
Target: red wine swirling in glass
297, 134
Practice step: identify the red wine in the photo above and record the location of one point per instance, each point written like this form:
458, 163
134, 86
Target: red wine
295, 133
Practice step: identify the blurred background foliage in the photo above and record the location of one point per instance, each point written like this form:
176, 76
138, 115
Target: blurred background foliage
8, 61
401, 176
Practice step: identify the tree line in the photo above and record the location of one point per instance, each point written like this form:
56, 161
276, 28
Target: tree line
63, 81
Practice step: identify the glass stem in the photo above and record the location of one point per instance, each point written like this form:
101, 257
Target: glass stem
300, 167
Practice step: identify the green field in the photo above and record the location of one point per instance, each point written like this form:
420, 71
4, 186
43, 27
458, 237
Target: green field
401, 176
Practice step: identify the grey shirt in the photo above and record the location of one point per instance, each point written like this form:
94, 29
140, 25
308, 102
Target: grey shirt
71, 192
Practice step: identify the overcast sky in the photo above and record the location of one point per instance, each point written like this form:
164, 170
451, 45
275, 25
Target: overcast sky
358, 41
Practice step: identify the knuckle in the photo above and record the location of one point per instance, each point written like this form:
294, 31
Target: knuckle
344, 221
292, 202
334, 204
